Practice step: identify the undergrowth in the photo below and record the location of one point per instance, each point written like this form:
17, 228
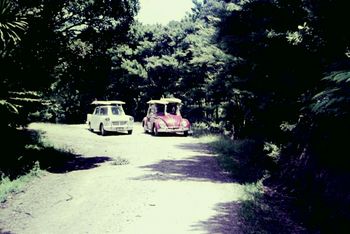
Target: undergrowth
249, 162
8, 186
245, 160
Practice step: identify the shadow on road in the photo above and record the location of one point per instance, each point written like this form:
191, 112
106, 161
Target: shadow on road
248, 216
226, 221
199, 148
71, 163
5, 232
27, 149
199, 168
203, 167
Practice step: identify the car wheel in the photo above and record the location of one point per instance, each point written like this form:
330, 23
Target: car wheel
144, 125
185, 133
129, 132
155, 131
90, 129
102, 130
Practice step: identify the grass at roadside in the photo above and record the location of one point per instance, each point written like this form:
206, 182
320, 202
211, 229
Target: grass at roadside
248, 162
27, 154
8, 186
265, 212
22, 161
245, 160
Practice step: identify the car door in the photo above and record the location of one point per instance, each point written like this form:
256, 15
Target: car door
94, 118
103, 116
151, 114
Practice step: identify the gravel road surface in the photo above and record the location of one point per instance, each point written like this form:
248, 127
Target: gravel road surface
126, 184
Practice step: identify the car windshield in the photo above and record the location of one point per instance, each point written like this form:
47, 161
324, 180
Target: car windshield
173, 109
117, 110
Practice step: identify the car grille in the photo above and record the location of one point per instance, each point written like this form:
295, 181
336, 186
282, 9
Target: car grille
118, 123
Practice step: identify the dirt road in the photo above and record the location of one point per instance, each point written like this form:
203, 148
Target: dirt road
126, 184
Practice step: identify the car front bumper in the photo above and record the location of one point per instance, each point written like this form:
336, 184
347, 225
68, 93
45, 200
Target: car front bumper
174, 130
118, 128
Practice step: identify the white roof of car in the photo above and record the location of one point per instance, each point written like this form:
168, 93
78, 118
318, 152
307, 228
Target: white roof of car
108, 103
157, 102
164, 101
171, 100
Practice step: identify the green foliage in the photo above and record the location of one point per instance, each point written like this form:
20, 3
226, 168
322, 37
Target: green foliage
28, 103
264, 212
8, 186
202, 128
12, 25
314, 167
9, 115
244, 160
334, 100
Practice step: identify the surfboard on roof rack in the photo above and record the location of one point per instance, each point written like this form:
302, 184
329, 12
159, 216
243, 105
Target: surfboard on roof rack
114, 102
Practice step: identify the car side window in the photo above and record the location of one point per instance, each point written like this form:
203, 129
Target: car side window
103, 111
97, 110
173, 109
151, 110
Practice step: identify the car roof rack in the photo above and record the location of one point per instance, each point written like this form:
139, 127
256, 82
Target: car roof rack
165, 101
157, 102
171, 100
108, 103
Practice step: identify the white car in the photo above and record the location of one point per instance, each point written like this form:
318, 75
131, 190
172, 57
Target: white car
109, 116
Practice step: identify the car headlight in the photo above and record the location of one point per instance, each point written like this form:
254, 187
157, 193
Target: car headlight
184, 123
162, 124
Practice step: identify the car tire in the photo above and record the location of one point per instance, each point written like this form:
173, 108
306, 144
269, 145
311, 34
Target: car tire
155, 131
102, 130
144, 127
90, 129
129, 132
185, 133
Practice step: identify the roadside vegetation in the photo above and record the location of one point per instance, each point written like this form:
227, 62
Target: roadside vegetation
13, 186
261, 209
267, 73
27, 156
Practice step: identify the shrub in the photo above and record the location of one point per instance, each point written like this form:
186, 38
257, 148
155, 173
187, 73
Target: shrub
245, 160
266, 212
8, 186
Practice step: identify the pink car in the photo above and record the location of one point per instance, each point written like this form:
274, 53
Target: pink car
163, 116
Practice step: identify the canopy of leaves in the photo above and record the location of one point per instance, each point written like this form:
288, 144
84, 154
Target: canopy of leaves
12, 25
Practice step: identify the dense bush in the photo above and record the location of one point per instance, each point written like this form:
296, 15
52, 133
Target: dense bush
315, 166
245, 160
267, 212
